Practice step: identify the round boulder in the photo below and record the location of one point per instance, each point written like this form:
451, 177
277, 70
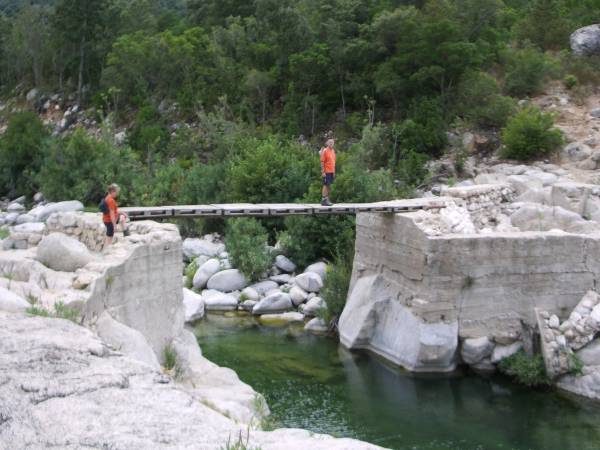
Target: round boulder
227, 281
62, 253
217, 301
298, 295
309, 281
274, 303
284, 264
193, 305
320, 268
586, 41
205, 272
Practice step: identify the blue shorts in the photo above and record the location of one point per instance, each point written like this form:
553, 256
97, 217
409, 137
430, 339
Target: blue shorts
110, 228
328, 179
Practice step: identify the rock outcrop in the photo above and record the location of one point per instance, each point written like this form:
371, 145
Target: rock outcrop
62, 387
586, 41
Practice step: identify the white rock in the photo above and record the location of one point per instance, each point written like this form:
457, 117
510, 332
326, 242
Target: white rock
250, 293
474, 350
281, 279
504, 351
227, 281
577, 151
319, 268
35, 227
274, 303
15, 207
284, 264
11, 218
193, 247
248, 305
590, 354
554, 321
312, 306
287, 317
38, 197
586, 41
316, 325
263, 287
125, 339
11, 302
41, 213
309, 281
298, 295
25, 218
63, 253
205, 272
217, 301
194, 306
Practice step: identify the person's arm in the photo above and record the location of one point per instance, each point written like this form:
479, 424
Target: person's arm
322, 153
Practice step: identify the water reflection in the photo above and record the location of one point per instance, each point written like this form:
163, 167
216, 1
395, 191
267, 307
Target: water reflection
313, 383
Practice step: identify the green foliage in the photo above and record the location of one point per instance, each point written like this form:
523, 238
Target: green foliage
527, 370
171, 361
479, 101
335, 288
4, 233
22, 152
570, 81
37, 311
546, 25
81, 167
241, 443
576, 365
526, 70
530, 134
246, 241
61, 311
271, 171
190, 271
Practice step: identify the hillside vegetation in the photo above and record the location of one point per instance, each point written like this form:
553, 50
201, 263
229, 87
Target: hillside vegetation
229, 100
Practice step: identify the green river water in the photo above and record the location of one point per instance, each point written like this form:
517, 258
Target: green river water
313, 383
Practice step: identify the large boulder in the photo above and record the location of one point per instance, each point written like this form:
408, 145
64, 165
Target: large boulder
504, 351
263, 287
193, 305
475, 350
586, 41
205, 272
317, 326
41, 213
298, 295
590, 354
62, 253
127, 340
373, 320
284, 264
227, 281
533, 217
310, 281
319, 268
218, 301
11, 302
577, 152
274, 303
312, 307
194, 247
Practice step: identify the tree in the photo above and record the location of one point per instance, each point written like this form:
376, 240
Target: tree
546, 25
81, 23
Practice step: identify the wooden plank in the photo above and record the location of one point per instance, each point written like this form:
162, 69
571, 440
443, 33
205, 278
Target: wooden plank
243, 209
197, 211
288, 209
148, 212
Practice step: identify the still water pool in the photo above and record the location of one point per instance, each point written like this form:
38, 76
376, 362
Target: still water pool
313, 383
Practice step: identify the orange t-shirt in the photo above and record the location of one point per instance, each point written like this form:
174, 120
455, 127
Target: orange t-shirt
111, 204
328, 160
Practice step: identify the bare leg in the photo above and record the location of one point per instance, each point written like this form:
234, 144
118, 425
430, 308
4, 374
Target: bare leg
325, 191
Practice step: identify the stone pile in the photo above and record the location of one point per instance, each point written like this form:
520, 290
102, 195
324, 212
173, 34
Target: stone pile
561, 340
283, 296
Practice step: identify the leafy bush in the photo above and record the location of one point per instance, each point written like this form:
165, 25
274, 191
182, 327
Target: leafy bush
246, 241
425, 130
271, 171
527, 68
570, 81
527, 370
61, 311
335, 288
530, 134
190, 271
81, 167
22, 152
479, 101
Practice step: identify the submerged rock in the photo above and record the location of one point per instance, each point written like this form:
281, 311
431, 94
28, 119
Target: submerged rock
317, 326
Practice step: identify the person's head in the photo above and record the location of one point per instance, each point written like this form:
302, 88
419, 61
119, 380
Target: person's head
113, 190
330, 143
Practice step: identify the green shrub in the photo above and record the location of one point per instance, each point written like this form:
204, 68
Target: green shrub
412, 170
480, 102
335, 289
530, 134
61, 311
271, 171
527, 68
171, 362
22, 152
527, 370
246, 241
190, 271
570, 81
81, 167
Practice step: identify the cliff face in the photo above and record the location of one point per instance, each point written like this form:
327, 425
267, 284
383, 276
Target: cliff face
415, 298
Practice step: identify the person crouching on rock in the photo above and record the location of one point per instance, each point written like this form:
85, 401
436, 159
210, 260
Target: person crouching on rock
111, 216
327, 170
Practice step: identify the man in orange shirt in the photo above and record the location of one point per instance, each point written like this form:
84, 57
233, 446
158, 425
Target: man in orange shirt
110, 214
327, 170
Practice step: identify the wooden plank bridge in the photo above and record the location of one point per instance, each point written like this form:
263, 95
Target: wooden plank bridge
278, 210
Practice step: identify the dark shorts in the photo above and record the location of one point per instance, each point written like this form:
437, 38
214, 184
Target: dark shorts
110, 228
328, 179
